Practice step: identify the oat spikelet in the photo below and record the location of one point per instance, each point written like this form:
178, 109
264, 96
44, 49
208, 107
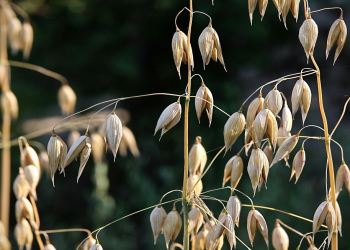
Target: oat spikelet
23, 235
287, 118
24, 209
157, 219
180, 50
204, 101
258, 167
268, 152
324, 212
256, 220
192, 181
233, 128
337, 32
88, 243
9, 102
66, 99
30, 157
294, 8
26, 37
237, 171
208, 42
32, 176
273, 101
262, 7
343, 177
172, 226
14, 28
234, 207
251, 8
285, 10
195, 218
57, 151
253, 110
169, 118
200, 239
286, 147
308, 33
97, 143
96, 247
44, 162
112, 132
76, 149
228, 170
128, 141
73, 136
339, 218
298, 163
197, 157
265, 122
280, 239
21, 186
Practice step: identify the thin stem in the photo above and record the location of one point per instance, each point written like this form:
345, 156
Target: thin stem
199, 76
87, 129
341, 150
37, 221
328, 151
251, 201
330, 8
341, 117
211, 104
290, 228
200, 12
39, 69
169, 193
307, 126
177, 29
55, 231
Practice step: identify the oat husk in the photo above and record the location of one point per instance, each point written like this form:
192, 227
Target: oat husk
169, 118
337, 32
308, 33
66, 99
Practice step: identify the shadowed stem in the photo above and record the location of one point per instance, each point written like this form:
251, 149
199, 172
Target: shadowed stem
37, 221
329, 154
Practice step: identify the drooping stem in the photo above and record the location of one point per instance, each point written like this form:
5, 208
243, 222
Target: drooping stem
328, 151
37, 221
186, 237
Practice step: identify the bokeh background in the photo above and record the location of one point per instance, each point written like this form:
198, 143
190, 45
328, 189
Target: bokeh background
111, 49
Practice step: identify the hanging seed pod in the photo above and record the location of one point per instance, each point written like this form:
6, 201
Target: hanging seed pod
80, 147
337, 32
30, 157
230, 231
73, 136
258, 167
169, 118
84, 157
88, 243
262, 7
24, 209
251, 7
200, 239
195, 219
294, 8
324, 212
237, 171
9, 102
192, 181
44, 162
32, 176
23, 235
97, 143
273, 101
343, 177
157, 219
199, 203
112, 132
268, 152
96, 247
211, 242
57, 151
66, 99
256, 220
305, 101
49, 247
339, 219
26, 37
287, 119
280, 239
286, 147
285, 10
265, 122
14, 28
234, 207
208, 42
128, 141
204, 99
4, 243
180, 50
248, 139
233, 128
197, 158
172, 226
21, 186
298, 163
253, 110
308, 33
228, 170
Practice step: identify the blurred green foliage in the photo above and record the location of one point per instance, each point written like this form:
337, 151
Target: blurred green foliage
110, 49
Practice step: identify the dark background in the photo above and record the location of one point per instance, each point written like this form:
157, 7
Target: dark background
111, 49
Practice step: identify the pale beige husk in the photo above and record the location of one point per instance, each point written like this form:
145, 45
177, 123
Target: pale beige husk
237, 171
230, 231
251, 7
128, 141
4, 243
23, 235
157, 219
26, 37
9, 102
203, 101
75, 150
265, 122
234, 207
294, 8
286, 147
262, 7
73, 136
268, 152
285, 9
66, 99
248, 139
24, 209
305, 101
233, 129
96, 247
197, 158
172, 226
324, 212
337, 32
30, 157
49, 247
88, 243
112, 133
228, 170
220, 227
280, 239
201, 239
339, 218
169, 118
273, 101
14, 26
298, 163
253, 110
256, 220
209, 41
97, 143
84, 157
342, 177
32, 176
287, 118
258, 167
211, 242
308, 33
180, 50
44, 162
191, 182
57, 151
296, 95
195, 220
21, 186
